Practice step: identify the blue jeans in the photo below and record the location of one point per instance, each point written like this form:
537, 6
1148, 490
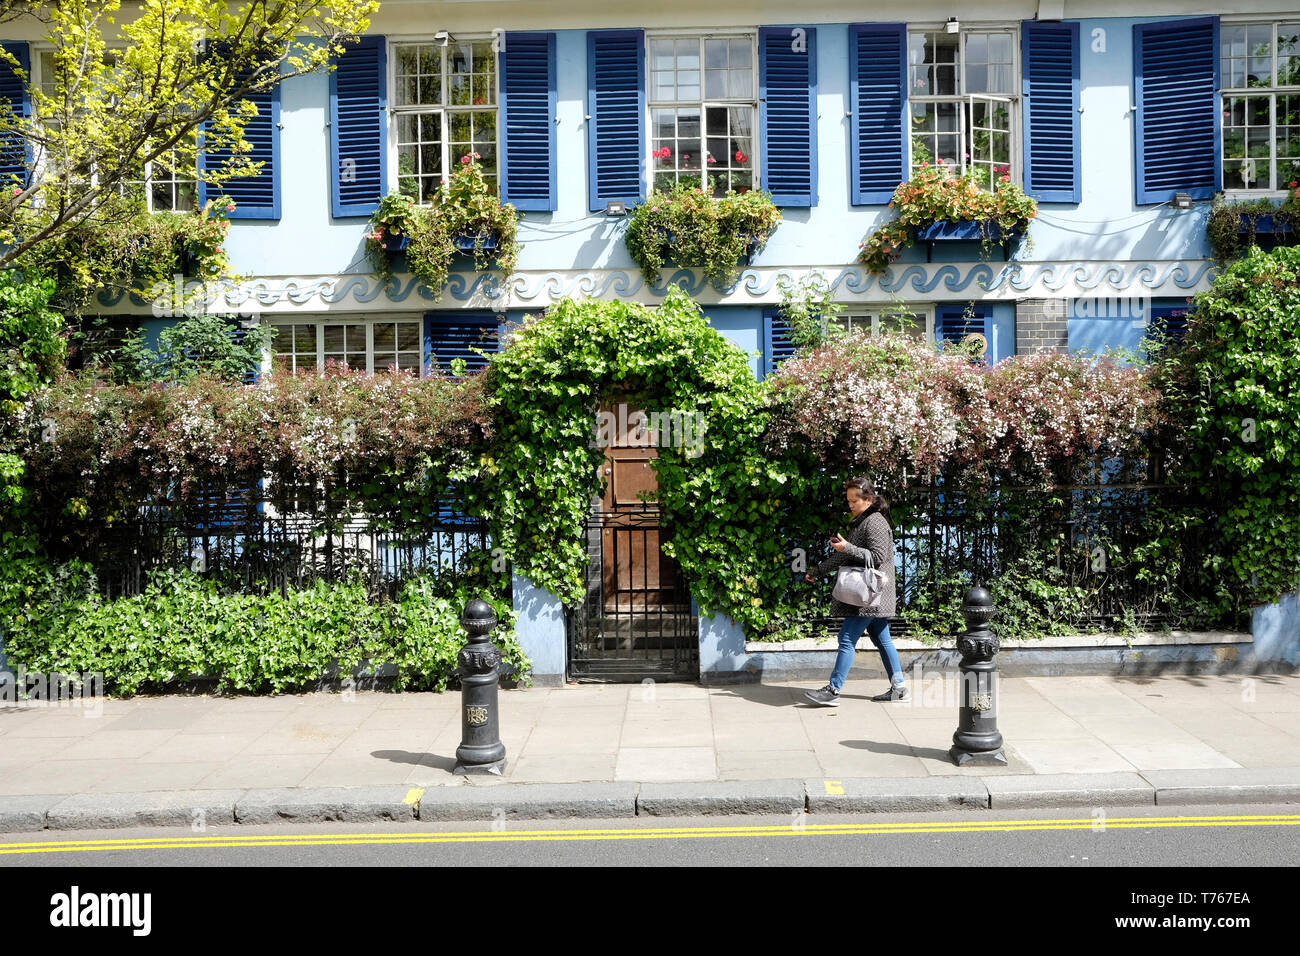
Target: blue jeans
878, 629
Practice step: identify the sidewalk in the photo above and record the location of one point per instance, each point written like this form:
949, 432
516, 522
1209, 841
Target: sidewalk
1069, 741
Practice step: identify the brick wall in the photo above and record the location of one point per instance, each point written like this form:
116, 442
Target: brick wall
1041, 326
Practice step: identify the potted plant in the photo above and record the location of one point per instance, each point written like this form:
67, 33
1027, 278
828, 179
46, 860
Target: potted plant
700, 231
465, 218
390, 231
202, 240
936, 206
1233, 227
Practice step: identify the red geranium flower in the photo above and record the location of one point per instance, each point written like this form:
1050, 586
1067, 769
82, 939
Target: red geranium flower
740, 157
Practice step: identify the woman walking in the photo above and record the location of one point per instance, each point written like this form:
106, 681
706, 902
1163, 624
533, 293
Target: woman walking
870, 543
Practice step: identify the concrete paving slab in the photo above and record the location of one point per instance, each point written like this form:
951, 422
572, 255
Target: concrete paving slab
650, 764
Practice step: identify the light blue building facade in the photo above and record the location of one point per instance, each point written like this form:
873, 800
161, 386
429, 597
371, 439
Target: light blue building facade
1123, 127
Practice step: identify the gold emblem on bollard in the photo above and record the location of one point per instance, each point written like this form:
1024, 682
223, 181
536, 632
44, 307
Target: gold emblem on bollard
981, 702
476, 715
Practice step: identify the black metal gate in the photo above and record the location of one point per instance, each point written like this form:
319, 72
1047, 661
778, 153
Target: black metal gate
635, 621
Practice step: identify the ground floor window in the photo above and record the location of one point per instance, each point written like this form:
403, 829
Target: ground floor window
352, 342
915, 320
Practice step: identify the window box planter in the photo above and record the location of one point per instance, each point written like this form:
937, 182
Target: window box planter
1264, 226
396, 243
966, 230
465, 243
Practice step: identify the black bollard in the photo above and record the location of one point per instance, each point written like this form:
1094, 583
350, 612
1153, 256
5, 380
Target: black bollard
977, 740
481, 749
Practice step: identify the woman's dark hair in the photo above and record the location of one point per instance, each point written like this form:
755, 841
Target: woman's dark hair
867, 490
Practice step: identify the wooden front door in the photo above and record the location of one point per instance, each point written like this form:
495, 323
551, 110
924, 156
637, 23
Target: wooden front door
636, 575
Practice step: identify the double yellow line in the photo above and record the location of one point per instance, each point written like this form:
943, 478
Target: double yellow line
799, 827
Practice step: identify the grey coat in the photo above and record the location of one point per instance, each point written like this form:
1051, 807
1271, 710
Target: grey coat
870, 544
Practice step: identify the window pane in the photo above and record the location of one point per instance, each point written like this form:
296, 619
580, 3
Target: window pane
384, 360
408, 336
715, 54
1288, 54
661, 54
1259, 65
385, 337
333, 340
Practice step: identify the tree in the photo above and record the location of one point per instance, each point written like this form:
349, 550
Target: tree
31, 353
140, 89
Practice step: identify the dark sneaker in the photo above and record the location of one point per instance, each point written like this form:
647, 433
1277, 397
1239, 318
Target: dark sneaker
828, 696
894, 693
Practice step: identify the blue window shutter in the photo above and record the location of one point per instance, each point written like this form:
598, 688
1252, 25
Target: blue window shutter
878, 101
255, 197
528, 107
359, 128
15, 151
777, 346
787, 95
1050, 54
952, 323
452, 335
616, 152
1171, 320
1177, 125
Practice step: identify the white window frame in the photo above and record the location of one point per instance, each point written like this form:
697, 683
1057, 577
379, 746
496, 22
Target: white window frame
38, 79
443, 111
704, 103
369, 321
1274, 190
966, 99
872, 310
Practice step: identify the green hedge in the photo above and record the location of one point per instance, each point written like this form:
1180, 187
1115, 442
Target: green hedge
185, 628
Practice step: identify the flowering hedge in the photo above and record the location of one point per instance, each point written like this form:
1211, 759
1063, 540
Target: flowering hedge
896, 405
94, 449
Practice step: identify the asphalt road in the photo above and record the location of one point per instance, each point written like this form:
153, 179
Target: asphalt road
1230, 836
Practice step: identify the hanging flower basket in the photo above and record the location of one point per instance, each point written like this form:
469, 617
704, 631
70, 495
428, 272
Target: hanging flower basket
465, 218
936, 206
696, 230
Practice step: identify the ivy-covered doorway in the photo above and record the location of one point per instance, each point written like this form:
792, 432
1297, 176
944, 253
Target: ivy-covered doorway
635, 620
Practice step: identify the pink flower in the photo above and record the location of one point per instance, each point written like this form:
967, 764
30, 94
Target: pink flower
230, 207
1005, 178
19, 189
712, 160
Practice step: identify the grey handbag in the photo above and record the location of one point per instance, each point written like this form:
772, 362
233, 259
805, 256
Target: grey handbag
858, 587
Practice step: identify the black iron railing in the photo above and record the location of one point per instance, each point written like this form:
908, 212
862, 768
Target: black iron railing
252, 545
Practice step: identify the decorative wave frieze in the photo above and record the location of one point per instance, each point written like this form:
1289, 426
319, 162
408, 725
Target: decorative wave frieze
526, 290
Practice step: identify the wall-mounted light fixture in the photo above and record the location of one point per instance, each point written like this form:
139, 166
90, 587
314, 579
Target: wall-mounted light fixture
444, 37
1182, 201
616, 208
952, 26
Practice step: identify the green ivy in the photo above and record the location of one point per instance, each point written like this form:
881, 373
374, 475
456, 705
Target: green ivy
1235, 401
699, 231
